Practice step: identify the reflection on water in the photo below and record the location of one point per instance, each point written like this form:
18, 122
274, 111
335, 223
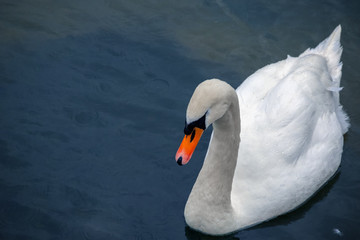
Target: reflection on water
192, 235
93, 96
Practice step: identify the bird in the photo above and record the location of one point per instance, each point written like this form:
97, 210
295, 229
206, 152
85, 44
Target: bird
276, 140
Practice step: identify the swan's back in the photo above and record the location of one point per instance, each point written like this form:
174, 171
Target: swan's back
292, 127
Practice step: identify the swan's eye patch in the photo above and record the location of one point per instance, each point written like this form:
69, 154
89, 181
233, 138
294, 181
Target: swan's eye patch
200, 123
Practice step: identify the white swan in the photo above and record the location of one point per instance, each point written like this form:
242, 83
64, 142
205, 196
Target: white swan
292, 127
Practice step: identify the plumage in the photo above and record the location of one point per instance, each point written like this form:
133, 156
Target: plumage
276, 140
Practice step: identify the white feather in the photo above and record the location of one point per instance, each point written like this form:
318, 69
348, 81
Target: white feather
292, 127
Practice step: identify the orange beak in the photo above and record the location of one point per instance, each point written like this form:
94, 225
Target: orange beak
188, 146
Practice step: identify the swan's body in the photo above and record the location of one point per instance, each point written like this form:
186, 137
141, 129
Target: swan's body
290, 142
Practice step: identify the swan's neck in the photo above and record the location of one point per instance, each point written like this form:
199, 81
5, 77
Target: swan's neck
211, 195
216, 176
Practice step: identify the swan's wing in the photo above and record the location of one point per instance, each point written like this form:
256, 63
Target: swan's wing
291, 138
281, 106
291, 132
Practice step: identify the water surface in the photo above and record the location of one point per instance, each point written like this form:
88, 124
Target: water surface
93, 97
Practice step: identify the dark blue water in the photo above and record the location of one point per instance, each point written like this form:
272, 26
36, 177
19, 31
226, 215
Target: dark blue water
93, 97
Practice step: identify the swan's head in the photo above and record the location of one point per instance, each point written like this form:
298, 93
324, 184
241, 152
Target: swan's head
209, 102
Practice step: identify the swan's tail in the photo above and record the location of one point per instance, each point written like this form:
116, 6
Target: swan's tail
331, 50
